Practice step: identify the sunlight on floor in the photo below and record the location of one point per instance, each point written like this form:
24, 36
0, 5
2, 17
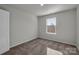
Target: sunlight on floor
53, 52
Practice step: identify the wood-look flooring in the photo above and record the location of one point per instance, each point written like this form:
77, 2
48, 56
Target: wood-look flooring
39, 47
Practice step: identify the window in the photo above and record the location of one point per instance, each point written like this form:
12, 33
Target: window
51, 25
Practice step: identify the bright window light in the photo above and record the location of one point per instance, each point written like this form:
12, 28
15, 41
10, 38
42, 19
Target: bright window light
51, 25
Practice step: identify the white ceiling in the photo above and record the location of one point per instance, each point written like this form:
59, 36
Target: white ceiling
39, 10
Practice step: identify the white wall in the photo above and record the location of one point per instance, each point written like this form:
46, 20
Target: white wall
23, 26
65, 28
77, 27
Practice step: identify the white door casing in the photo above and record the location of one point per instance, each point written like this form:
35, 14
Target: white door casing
4, 31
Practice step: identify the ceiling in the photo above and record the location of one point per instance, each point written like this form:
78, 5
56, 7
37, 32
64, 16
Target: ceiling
39, 10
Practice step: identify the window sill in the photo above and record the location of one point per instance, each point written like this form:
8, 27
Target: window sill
51, 33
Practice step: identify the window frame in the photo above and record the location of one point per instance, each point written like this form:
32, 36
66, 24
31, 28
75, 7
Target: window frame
47, 27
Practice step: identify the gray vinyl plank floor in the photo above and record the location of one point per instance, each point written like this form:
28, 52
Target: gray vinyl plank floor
39, 47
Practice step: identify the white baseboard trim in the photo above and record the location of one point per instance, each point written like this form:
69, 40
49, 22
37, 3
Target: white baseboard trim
21, 43
59, 41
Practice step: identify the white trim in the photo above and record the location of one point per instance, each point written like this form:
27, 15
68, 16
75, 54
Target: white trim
50, 32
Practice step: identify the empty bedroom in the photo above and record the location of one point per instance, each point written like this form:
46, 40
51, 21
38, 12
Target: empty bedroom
39, 29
